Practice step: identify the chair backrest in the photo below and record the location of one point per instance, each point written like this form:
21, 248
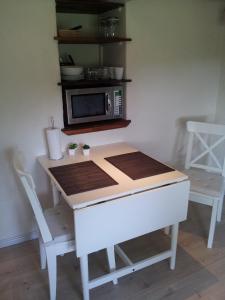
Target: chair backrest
29, 186
208, 156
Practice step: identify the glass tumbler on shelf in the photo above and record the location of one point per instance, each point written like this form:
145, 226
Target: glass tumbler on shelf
103, 28
112, 24
91, 73
104, 73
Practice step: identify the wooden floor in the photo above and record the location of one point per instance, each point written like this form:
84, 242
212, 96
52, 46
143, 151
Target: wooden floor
199, 273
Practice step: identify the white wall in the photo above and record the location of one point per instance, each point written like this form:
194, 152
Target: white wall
173, 61
220, 109
28, 94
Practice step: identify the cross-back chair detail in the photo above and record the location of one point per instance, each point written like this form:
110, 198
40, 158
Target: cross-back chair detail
196, 129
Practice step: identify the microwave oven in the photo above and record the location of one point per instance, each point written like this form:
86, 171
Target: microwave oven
83, 105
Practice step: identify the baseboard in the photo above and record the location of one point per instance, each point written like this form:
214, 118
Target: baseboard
18, 239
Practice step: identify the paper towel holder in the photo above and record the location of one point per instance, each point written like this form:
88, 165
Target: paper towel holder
53, 141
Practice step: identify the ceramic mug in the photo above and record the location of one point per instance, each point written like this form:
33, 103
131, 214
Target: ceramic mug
118, 73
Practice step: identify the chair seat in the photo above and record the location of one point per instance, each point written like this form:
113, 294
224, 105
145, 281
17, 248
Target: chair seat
60, 222
205, 183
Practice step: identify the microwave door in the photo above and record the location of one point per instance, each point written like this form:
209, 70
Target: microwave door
90, 107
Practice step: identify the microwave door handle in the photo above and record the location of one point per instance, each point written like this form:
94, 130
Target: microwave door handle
108, 104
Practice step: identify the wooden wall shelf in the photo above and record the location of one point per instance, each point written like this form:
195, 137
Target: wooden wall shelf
92, 83
90, 40
85, 6
96, 126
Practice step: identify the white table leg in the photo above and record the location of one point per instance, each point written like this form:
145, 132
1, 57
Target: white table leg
84, 276
174, 237
111, 261
55, 194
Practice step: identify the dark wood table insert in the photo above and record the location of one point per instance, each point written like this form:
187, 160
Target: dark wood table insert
137, 165
81, 177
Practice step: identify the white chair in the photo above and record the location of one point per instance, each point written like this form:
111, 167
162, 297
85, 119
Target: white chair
56, 228
205, 166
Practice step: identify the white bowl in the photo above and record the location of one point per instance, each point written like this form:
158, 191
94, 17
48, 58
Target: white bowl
71, 70
73, 77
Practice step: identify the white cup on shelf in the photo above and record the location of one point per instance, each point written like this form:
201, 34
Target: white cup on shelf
118, 73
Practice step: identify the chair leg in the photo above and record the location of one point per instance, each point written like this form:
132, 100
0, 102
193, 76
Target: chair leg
84, 276
220, 209
43, 257
111, 261
174, 237
52, 272
212, 224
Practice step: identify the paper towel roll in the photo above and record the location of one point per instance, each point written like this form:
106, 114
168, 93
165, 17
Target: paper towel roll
54, 143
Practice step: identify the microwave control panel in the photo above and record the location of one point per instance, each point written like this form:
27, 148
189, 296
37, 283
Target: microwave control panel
118, 106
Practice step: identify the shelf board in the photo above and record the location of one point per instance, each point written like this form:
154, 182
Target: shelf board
92, 83
96, 126
85, 6
90, 40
